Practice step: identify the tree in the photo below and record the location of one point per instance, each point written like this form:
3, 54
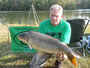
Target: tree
67, 4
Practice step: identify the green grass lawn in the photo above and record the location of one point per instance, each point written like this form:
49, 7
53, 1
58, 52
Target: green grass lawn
8, 59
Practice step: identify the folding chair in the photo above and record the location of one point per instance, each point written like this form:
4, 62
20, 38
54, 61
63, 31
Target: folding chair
78, 27
88, 47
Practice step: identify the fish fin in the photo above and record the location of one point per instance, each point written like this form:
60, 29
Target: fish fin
30, 46
73, 60
76, 53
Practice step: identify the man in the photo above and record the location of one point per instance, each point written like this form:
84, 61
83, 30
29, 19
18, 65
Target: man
55, 27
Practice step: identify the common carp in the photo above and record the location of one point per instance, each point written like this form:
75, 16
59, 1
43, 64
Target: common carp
48, 44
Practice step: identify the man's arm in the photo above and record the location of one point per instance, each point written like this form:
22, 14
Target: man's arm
41, 29
66, 34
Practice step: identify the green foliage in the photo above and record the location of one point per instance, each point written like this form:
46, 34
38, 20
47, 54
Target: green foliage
25, 4
69, 4
42, 4
84, 4
15, 4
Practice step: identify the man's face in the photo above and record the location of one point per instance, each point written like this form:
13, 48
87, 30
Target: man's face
55, 17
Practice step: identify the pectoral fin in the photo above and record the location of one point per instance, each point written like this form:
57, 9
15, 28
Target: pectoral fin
30, 46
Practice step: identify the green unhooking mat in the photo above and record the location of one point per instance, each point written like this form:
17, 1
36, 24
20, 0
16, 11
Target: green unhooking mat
17, 45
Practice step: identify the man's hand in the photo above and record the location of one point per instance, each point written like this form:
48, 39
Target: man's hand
61, 56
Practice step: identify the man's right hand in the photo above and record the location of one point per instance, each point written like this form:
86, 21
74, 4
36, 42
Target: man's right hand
61, 56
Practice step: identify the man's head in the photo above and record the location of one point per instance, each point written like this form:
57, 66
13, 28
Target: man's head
56, 12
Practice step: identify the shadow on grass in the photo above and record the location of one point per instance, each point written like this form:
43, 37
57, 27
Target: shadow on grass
8, 59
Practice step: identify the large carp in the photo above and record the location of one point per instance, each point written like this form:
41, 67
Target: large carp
47, 44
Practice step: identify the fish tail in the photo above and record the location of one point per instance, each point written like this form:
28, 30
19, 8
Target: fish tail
73, 60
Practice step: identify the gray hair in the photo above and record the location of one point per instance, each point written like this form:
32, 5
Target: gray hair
57, 7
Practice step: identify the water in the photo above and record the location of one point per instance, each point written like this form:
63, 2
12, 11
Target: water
21, 17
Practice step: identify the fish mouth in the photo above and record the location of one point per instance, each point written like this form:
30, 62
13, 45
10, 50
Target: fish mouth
22, 37
19, 38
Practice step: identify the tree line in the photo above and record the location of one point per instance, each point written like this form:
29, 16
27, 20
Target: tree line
16, 5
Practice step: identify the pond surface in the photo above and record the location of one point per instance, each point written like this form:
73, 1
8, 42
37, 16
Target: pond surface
27, 17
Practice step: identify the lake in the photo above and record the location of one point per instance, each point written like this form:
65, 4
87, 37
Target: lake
27, 17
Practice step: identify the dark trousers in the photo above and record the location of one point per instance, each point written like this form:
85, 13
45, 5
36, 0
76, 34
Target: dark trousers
58, 64
39, 60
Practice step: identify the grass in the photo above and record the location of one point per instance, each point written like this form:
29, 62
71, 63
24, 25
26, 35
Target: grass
8, 59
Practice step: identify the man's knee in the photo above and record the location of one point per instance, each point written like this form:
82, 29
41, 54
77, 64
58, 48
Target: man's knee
39, 60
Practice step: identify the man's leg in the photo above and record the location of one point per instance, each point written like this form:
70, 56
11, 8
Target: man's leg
39, 60
58, 64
